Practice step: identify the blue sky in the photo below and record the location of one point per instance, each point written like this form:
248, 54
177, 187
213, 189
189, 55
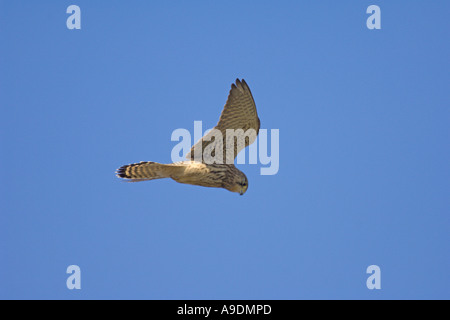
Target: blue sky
363, 117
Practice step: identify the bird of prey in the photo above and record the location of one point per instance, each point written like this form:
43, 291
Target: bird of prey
210, 162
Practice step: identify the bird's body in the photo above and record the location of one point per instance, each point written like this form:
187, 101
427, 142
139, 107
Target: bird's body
189, 172
239, 113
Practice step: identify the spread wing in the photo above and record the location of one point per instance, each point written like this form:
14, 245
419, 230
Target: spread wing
238, 114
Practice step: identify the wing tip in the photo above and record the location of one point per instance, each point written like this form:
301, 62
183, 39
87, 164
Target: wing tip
240, 84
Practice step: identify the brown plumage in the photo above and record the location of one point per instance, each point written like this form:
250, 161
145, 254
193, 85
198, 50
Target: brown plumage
239, 113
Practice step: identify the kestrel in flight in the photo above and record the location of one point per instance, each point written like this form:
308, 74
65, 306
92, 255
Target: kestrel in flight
237, 128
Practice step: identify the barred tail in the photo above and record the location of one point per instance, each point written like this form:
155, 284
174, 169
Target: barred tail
143, 171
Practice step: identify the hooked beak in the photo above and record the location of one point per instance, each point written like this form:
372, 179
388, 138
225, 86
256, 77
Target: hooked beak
241, 193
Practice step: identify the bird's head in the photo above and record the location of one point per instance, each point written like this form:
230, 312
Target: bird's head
240, 183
